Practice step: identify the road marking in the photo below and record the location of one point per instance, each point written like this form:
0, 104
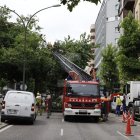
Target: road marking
122, 134
62, 120
6, 128
61, 133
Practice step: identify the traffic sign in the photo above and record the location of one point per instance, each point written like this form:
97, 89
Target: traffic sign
21, 86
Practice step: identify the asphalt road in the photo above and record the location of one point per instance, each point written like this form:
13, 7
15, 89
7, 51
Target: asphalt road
81, 128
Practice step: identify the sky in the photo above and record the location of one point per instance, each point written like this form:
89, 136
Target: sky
57, 22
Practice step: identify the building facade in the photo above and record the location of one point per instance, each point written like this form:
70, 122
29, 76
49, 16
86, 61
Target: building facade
106, 28
137, 10
92, 37
120, 14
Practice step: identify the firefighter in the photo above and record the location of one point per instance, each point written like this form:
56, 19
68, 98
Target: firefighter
104, 112
38, 104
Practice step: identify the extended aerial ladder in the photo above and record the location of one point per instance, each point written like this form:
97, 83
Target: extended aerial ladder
70, 67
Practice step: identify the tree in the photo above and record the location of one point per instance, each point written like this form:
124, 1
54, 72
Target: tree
109, 72
77, 51
73, 3
129, 50
42, 70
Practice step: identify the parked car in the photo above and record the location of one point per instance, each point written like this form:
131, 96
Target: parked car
1, 99
19, 105
114, 104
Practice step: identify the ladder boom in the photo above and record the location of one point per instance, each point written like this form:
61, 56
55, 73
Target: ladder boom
70, 66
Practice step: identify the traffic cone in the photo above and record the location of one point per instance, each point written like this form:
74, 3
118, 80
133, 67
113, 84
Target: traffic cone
128, 127
132, 121
124, 119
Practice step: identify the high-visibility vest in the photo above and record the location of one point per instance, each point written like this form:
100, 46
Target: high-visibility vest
105, 99
119, 101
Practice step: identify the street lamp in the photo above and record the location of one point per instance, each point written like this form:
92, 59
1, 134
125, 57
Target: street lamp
25, 29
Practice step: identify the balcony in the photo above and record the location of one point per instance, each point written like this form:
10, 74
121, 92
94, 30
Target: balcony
128, 4
93, 41
92, 36
92, 28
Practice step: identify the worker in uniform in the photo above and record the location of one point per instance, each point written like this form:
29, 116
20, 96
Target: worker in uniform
124, 104
118, 105
38, 104
103, 110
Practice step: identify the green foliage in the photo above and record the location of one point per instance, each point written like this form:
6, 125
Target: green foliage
42, 70
73, 3
77, 51
7, 30
109, 73
129, 50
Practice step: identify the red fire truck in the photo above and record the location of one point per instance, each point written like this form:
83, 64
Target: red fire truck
81, 96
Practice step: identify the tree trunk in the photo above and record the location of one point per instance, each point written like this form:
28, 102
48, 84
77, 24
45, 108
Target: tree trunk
36, 83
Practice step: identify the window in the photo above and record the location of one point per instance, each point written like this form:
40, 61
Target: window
116, 29
116, 41
116, 17
82, 90
128, 88
114, 99
116, 6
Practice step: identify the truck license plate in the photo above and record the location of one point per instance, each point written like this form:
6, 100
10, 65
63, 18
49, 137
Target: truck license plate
11, 112
84, 111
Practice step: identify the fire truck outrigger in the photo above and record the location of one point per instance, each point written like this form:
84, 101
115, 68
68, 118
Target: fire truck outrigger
81, 95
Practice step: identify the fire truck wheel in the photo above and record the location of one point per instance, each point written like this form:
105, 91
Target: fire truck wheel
65, 118
96, 119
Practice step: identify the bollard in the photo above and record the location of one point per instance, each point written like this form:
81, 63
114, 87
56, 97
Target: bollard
132, 121
128, 127
47, 108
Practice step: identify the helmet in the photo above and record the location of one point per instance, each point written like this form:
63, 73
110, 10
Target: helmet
118, 95
38, 94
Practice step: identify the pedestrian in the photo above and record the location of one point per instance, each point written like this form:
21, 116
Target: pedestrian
118, 105
38, 104
124, 104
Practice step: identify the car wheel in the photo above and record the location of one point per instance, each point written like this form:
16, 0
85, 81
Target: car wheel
65, 118
2, 120
131, 110
32, 121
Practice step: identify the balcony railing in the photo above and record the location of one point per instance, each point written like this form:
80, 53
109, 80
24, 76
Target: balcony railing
128, 4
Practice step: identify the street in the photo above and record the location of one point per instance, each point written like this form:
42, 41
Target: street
55, 128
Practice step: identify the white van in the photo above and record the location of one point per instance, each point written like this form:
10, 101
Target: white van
19, 105
1, 99
114, 104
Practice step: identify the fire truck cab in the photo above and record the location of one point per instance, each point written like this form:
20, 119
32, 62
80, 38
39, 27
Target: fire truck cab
81, 99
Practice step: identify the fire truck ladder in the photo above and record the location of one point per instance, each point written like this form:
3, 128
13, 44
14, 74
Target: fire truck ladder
69, 66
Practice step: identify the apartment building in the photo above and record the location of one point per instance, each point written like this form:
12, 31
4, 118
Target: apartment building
127, 6
92, 37
106, 28
137, 10
123, 10
120, 14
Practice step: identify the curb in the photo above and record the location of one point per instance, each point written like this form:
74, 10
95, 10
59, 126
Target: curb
3, 125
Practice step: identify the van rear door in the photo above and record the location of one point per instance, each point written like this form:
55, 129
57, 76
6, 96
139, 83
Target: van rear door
13, 103
26, 104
